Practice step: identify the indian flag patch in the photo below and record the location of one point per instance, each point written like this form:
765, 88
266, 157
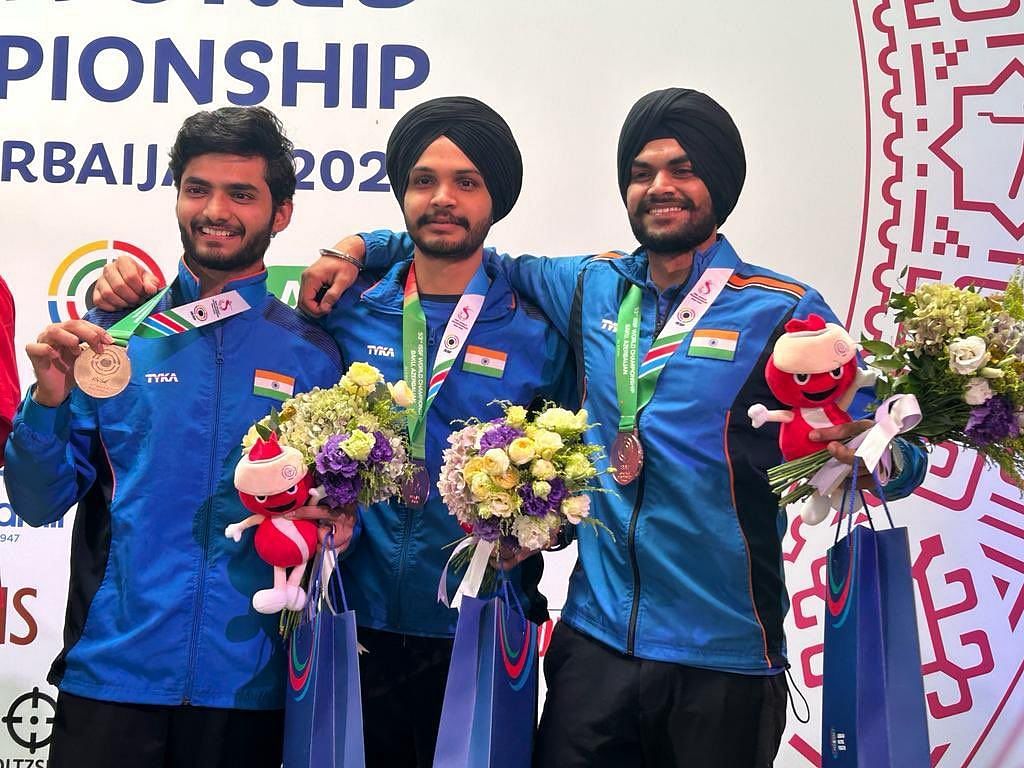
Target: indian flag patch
720, 345
488, 362
273, 384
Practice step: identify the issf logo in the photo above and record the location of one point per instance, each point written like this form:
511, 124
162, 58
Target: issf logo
70, 292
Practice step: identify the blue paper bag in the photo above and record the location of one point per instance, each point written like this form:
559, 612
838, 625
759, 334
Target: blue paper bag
490, 700
873, 698
323, 716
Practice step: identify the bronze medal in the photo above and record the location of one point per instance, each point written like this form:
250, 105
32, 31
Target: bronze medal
627, 457
416, 489
103, 374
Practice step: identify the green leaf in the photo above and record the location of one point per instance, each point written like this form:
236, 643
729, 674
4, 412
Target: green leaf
879, 348
888, 363
263, 430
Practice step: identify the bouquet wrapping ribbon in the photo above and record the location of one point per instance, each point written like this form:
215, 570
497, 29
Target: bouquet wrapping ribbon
470, 584
896, 415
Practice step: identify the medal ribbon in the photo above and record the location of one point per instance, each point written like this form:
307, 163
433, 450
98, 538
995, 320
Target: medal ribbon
636, 379
414, 349
170, 322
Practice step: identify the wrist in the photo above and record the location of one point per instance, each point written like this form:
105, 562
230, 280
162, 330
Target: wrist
48, 399
334, 253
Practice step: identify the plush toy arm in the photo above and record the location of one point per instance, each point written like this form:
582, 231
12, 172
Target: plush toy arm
234, 531
759, 414
866, 377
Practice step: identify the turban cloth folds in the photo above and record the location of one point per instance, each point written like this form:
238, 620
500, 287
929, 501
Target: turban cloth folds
473, 127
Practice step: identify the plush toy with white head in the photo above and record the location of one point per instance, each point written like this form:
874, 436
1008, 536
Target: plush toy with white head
273, 480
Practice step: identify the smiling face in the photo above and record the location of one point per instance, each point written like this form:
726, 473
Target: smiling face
226, 213
281, 503
810, 390
669, 206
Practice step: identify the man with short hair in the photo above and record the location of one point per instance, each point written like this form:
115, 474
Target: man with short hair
455, 169
670, 649
165, 661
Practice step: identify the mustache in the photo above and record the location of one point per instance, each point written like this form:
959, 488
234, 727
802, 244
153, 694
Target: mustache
427, 218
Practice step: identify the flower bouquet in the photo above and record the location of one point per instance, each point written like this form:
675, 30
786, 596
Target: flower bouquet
960, 353
352, 435
514, 482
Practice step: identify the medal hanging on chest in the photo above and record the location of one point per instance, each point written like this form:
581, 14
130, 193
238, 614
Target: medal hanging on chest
635, 379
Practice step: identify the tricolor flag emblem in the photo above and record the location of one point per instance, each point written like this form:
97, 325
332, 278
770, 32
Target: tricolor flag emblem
489, 362
720, 345
273, 384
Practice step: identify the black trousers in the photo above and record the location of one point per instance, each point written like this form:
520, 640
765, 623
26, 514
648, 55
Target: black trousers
88, 733
604, 708
403, 679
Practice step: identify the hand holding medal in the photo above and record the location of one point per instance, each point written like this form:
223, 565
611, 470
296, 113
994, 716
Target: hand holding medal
57, 353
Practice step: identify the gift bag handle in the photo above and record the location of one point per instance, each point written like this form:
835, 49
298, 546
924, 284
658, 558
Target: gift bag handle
510, 596
330, 555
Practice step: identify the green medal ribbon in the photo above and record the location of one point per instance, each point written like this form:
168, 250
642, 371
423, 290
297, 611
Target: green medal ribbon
414, 349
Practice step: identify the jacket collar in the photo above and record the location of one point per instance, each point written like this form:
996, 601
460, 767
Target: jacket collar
388, 293
635, 267
252, 287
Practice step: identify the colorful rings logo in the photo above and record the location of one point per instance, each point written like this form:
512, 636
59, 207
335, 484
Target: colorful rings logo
518, 661
71, 287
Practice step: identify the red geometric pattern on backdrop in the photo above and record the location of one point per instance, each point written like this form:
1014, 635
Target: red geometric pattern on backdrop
943, 200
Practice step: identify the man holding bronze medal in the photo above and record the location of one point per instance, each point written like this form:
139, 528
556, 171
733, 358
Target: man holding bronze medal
670, 645
138, 418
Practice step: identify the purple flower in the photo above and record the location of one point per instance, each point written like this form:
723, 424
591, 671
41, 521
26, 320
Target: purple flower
341, 491
558, 492
488, 529
331, 460
992, 421
498, 436
534, 505
382, 452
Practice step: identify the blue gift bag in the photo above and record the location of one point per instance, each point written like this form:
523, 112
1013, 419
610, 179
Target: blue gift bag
873, 698
490, 700
323, 716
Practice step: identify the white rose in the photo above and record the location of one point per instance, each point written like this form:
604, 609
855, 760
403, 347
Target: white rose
543, 469
575, 508
521, 450
967, 355
978, 391
401, 393
495, 462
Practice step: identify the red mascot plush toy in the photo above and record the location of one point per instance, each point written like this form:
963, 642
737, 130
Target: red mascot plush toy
813, 369
273, 480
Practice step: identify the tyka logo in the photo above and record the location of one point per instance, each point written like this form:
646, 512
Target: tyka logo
162, 378
380, 351
70, 292
29, 720
609, 325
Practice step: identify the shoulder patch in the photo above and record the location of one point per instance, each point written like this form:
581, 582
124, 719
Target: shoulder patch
739, 283
282, 315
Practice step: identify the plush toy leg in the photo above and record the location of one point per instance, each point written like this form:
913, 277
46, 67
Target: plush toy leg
296, 594
274, 599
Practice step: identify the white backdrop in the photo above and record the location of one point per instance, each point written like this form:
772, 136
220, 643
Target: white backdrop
877, 137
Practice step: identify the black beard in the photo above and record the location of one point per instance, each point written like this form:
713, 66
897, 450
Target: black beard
453, 249
681, 240
245, 257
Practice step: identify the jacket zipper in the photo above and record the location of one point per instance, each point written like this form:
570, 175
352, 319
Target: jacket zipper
197, 610
631, 632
